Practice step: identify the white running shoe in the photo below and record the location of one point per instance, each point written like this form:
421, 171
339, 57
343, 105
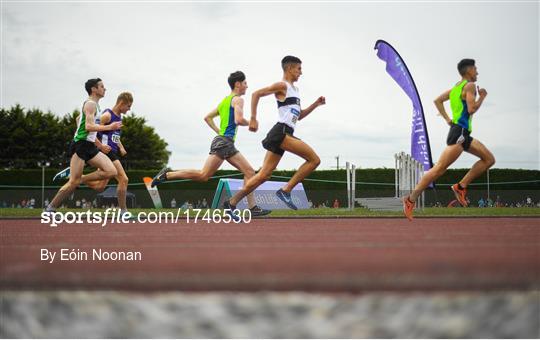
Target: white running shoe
62, 174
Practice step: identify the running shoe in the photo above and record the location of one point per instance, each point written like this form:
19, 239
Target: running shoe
258, 211
49, 209
160, 177
62, 174
461, 194
408, 208
286, 198
229, 210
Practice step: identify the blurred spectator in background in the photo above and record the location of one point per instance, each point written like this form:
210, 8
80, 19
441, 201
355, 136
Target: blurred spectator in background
481, 203
185, 205
204, 204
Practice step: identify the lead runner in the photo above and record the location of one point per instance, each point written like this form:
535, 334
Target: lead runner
464, 105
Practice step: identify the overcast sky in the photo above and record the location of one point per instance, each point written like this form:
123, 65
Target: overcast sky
175, 59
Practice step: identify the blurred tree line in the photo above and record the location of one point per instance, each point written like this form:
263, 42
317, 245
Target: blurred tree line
29, 136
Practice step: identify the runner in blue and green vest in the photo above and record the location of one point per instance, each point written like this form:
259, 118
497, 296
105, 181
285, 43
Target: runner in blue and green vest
231, 114
464, 104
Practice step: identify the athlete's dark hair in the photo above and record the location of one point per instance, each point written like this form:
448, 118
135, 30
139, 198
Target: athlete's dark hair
91, 83
289, 60
464, 64
234, 77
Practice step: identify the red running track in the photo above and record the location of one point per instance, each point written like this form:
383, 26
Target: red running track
350, 255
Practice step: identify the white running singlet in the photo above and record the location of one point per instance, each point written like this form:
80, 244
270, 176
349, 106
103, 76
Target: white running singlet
289, 109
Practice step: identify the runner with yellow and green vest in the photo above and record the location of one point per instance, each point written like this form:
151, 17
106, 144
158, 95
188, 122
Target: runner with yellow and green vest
231, 115
464, 105
82, 149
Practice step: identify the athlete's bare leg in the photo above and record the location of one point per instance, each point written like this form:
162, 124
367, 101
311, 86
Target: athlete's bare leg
98, 186
105, 168
448, 156
300, 148
271, 160
122, 180
77, 165
99, 161
486, 161
212, 164
242, 164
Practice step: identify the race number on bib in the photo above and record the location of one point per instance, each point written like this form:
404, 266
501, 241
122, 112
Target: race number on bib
295, 113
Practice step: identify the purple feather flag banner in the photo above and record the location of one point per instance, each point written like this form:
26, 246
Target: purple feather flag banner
396, 68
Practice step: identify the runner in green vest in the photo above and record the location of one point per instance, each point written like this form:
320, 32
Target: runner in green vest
82, 149
231, 114
464, 105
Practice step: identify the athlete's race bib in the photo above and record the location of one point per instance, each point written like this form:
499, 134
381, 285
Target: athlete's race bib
295, 113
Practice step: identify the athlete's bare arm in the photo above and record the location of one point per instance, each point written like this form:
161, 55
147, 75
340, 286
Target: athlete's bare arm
105, 118
320, 101
439, 103
238, 105
279, 89
470, 97
209, 119
90, 125
102, 147
121, 148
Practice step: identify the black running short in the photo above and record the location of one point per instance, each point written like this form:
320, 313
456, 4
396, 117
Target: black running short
459, 135
113, 156
223, 147
84, 149
275, 137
